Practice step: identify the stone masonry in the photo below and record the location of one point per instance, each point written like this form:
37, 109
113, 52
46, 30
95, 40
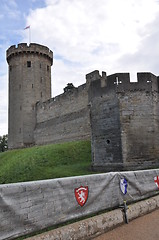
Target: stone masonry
29, 82
120, 117
125, 122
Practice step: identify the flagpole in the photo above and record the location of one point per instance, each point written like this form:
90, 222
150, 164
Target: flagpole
28, 27
29, 35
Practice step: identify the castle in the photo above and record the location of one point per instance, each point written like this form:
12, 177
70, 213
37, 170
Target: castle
121, 118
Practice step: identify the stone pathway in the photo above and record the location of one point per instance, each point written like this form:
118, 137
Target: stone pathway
142, 228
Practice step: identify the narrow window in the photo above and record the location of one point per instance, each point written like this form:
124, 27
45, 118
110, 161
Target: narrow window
20, 86
28, 64
20, 108
47, 68
10, 68
40, 65
41, 94
32, 85
19, 130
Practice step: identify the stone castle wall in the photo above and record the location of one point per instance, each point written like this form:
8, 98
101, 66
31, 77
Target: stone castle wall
67, 116
125, 122
63, 118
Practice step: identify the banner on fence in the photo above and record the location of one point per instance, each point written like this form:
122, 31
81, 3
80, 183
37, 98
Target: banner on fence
28, 207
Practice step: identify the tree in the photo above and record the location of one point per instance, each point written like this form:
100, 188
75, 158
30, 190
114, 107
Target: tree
3, 143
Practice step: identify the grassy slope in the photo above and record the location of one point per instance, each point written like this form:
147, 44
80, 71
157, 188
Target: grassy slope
45, 162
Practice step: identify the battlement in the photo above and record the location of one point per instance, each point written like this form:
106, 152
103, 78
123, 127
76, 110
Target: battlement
62, 98
93, 76
32, 48
120, 82
146, 81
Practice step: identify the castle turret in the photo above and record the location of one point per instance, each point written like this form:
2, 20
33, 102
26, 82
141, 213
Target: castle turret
29, 82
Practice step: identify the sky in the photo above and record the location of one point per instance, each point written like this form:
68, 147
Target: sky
84, 35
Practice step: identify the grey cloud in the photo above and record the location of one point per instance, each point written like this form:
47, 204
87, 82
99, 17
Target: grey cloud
147, 55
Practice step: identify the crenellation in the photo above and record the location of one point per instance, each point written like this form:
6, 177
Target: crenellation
121, 82
93, 76
22, 45
104, 79
31, 48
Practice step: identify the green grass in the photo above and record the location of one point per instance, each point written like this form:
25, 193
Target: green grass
46, 162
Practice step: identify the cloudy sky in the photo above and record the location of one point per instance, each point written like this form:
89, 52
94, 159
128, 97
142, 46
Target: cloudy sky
85, 35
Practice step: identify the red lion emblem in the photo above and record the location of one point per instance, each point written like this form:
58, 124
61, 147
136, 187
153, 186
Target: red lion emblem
81, 195
156, 180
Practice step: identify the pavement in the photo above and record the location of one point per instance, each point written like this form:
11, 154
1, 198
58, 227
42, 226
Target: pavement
142, 228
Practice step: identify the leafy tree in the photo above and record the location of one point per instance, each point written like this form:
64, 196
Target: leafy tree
3, 143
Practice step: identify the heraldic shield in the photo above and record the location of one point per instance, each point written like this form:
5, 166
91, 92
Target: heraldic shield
123, 185
81, 195
156, 180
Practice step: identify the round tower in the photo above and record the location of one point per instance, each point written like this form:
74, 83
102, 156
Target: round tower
29, 82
